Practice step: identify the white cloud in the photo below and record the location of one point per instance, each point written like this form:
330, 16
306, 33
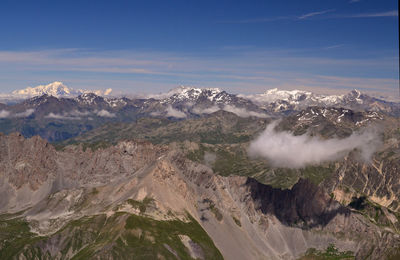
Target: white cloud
4, 114
26, 113
238, 71
242, 112
308, 15
208, 110
172, 112
283, 149
105, 113
61, 117
71, 115
78, 113
393, 13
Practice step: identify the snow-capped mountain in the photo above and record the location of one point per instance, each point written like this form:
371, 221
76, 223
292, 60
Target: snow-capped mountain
199, 101
293, 98
276, 100
55, 89
74, 114
184, 94
191, 94
186, 102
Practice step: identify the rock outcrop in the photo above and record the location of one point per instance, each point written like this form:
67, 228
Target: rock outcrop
246, 220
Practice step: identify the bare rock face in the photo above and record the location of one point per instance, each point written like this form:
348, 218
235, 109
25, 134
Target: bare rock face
26, 161
378, 180
278, 223
305, 204
244, 218
104, 165
33, 167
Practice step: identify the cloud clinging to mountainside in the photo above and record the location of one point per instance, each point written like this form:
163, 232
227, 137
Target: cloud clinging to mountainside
283, 149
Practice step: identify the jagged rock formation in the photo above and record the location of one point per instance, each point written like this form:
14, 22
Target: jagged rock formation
132, 184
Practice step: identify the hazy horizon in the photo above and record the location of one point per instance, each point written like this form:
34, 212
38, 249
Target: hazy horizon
318, 46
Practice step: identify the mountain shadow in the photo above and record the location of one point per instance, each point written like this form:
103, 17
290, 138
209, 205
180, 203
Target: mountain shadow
305, 205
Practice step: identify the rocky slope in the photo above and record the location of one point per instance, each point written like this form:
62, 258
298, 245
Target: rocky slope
221, 141
83, 203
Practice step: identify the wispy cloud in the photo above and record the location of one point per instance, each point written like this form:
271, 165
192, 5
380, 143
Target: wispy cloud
64, 116
393, 13
260, 20
279, 18
308, 15
209, 110
26, 113
240, 71
77, 115
7, 114
243, 112
333, 46
354, 1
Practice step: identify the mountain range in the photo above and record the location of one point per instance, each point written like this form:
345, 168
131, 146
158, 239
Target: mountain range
56, 89
56, 112
199, 174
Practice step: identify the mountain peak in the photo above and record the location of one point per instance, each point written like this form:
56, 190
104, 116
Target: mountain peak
56, 88
186, 92
355, 93
287, 94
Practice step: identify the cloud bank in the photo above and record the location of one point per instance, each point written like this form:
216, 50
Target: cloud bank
242, 112
283, 149
61, 117
7, 114
208, 110
26, 113
77, 115
105, 113
172, 112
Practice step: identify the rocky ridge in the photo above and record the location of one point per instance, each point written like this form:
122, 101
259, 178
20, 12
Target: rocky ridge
244, 218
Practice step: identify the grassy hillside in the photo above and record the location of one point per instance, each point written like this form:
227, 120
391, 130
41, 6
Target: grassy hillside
120, 236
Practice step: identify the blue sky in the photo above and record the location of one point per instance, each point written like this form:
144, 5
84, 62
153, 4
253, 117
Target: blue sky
242, 46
